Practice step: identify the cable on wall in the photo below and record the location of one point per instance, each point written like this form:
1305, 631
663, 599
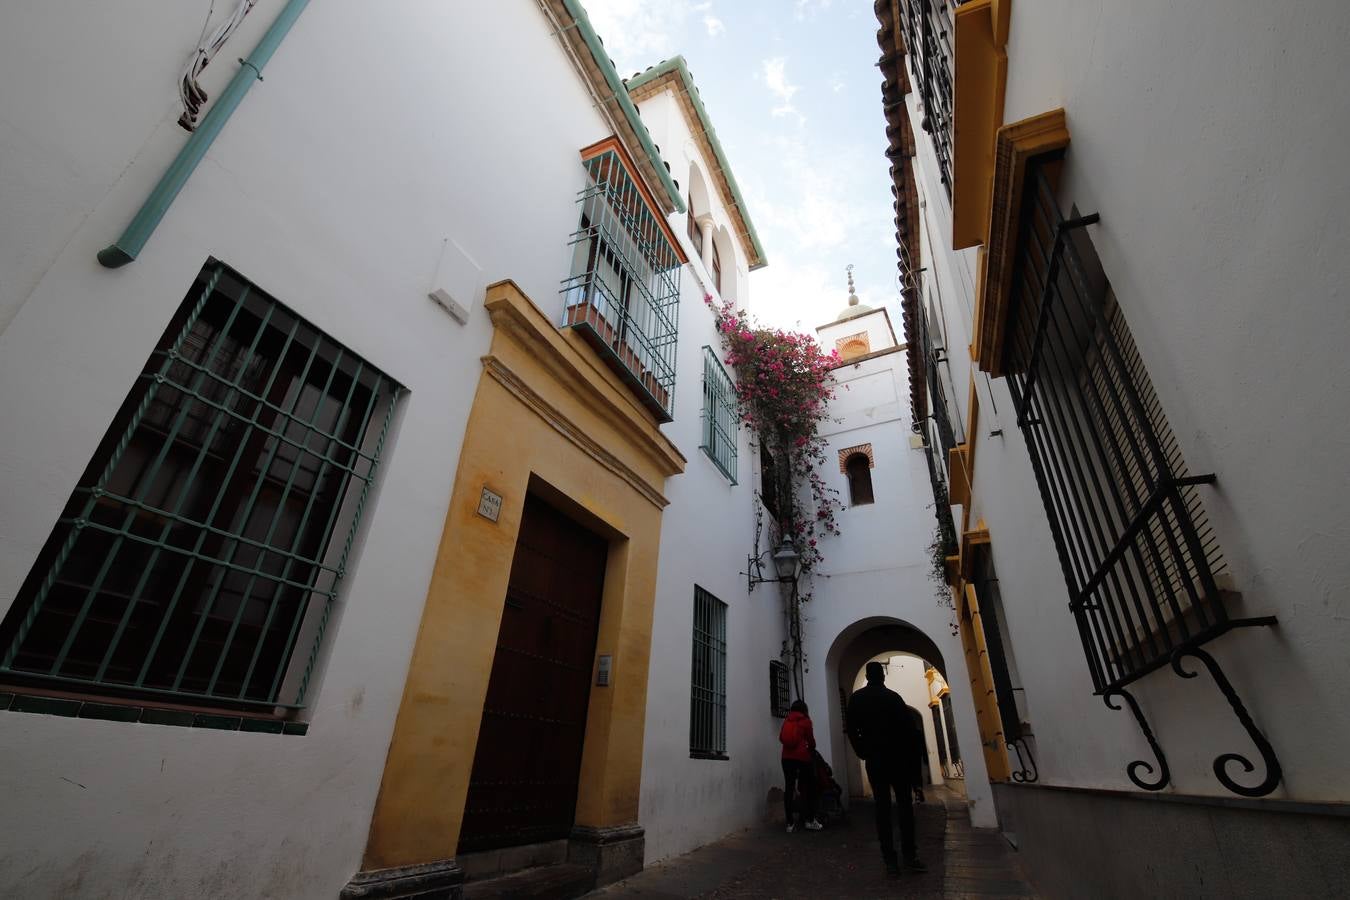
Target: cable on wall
190, 93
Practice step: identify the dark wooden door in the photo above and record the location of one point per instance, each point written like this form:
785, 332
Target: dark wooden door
523, 787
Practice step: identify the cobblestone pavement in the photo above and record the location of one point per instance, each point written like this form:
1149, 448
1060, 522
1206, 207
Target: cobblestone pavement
843, 861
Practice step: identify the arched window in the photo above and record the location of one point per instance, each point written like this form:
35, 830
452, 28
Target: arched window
859, 469
695, 232
717, 269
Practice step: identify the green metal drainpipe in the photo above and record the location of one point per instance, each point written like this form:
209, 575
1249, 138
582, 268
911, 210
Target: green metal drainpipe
129, 245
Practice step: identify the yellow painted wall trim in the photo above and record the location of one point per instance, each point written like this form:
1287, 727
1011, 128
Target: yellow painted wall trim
987, 718
1016, 144
508, 379
576, 366
547, 420
969, 542
958, 464
979, 84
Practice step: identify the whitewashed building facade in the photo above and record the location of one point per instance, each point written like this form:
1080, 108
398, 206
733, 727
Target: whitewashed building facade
873, 593
1113, 224
301, 717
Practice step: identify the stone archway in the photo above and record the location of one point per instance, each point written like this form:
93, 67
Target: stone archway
851, 650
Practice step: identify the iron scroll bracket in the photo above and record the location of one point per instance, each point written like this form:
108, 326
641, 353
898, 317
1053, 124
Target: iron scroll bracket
1132, 770
1024, 775
1274, 773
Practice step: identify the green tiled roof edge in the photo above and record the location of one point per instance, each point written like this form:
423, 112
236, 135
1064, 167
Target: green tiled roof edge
625, 102
678, 64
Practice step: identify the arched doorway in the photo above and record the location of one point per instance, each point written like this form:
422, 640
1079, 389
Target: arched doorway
926, 693
876, 638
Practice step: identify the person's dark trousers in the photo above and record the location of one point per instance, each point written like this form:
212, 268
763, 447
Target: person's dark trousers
885, 780
796, 772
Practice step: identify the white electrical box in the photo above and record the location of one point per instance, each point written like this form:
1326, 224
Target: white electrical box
458, 311
602, 670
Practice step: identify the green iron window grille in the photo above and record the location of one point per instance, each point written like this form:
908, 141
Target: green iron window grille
721, 422
708, 684
200, 555
779, 699
623, 294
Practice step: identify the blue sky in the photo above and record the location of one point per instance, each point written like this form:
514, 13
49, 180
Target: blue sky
793, 90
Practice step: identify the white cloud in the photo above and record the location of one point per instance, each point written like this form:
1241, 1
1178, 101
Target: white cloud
806, 9
714, 25
774, 73
814, 208
836, 83
641, 33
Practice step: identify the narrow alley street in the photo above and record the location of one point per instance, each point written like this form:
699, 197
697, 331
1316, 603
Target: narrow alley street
842, 861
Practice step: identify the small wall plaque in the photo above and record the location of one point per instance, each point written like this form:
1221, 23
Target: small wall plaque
490, 504
602, 670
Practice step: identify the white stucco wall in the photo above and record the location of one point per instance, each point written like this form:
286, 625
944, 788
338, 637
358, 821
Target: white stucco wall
671, 130
875, 324
706, 534
374, 138
876, 572
1209, 139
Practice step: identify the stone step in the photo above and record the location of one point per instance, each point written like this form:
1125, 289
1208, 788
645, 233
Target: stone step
560, 882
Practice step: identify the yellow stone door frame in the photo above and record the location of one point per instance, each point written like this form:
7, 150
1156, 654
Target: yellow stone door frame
547, 418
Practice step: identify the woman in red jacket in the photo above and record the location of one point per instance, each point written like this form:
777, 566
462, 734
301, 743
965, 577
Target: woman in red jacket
799, 741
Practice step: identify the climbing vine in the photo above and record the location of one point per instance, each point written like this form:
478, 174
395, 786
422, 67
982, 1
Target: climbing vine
783, 390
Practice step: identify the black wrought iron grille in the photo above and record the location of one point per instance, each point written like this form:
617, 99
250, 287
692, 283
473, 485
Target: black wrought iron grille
951, 728
937, 389
985, 583
938, 732
708, 682
1136, 549
200, 555
779, 698
929, 31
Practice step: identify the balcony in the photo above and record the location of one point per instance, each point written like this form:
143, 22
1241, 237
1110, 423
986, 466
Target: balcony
624, 291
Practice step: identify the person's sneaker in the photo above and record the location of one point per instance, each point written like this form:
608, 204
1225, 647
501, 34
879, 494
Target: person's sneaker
813, 825
915, 865
791, 828
892, 868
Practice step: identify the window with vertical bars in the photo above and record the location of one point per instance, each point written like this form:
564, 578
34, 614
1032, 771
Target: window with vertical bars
708, 681
1137, 552
1001, 663
941, 735
951, 728
779, 698
929, 30
201, 553
721, 422
623, 295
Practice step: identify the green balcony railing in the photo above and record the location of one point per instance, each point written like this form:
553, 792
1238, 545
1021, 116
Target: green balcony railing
624, 291
199, 558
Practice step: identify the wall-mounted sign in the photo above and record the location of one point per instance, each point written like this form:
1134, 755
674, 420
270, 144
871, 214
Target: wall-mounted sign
602, 670
490, 504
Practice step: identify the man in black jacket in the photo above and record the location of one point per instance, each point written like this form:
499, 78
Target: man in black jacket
884, 737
